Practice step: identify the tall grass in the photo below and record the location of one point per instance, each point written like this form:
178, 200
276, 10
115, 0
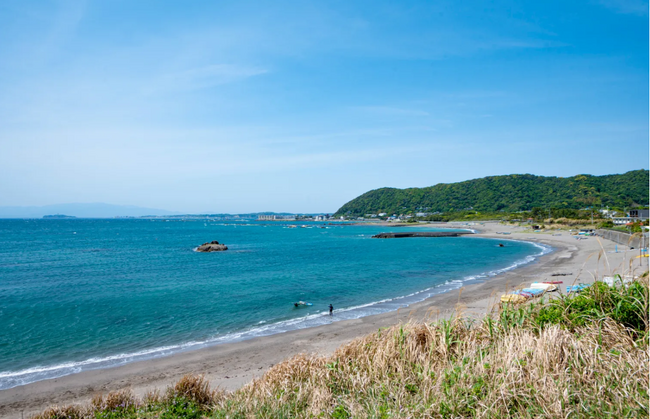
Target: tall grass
583, 356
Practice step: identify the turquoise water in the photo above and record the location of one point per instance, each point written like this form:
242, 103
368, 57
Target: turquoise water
84, 294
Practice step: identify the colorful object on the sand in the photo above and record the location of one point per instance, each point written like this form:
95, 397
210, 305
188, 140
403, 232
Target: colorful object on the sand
522, 295
618, 280
301, 304
544, 285
577, 288
513, 298
534, 292
553, 282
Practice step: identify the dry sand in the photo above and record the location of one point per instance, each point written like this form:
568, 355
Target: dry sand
232, 365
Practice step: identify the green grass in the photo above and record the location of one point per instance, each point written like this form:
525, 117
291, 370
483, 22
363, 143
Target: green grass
627, 306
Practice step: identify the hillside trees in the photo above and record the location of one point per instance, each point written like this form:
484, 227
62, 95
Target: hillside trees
510, 193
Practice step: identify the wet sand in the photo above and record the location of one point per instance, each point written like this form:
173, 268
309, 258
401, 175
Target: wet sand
232, 365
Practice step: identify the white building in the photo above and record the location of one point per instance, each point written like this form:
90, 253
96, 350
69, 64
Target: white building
634, 216
276, 218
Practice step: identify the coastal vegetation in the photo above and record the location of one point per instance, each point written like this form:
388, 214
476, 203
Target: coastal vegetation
575, 356
507, 194
536, 214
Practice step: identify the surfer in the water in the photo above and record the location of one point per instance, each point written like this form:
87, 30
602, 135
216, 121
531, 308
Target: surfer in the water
331, 309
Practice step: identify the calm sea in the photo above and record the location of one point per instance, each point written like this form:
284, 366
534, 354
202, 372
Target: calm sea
85, 294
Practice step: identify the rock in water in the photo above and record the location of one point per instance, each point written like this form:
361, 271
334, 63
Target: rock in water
212, 246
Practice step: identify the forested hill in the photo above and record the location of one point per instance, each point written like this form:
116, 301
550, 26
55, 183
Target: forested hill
507, 193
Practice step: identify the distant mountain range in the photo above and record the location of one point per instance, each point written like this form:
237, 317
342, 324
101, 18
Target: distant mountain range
507, 193
101, 210
95, 210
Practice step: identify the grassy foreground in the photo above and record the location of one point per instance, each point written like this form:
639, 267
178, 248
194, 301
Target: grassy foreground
583, 356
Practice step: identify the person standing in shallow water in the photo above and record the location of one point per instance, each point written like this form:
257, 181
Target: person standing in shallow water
331, 309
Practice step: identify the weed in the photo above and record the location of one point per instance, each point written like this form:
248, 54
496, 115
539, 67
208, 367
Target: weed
180, 407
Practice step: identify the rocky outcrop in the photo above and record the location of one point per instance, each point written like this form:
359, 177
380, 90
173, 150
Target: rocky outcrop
213, 246
420, 234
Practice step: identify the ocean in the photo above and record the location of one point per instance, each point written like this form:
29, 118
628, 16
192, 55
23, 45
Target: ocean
84, 294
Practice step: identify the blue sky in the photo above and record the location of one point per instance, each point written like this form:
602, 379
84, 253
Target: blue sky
238, 106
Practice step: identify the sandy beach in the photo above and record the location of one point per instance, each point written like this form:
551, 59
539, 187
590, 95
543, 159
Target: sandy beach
234, 364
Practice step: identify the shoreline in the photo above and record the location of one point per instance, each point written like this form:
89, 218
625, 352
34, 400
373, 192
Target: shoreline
231, 365
388, 304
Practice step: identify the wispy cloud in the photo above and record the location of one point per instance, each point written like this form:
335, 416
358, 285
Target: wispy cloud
161, 105
635, 7
59, 28
389, 110
154, 159
205, 77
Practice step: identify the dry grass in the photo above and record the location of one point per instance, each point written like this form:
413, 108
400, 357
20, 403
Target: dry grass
67, 412
122, 399
452, 370
196, 389
569, 222
545, 361
191, 394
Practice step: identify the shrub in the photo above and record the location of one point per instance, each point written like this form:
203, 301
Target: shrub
115, 400
67, 412
627, 305
180, 407
193, 388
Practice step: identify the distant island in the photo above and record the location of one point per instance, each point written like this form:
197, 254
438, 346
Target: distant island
509, 193
59, 217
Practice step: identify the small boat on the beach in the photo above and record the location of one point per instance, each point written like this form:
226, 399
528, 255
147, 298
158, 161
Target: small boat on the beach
618, 280
522, 295
553, 282
513, 298
544, 285
534, 292
577, 288
302, 304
